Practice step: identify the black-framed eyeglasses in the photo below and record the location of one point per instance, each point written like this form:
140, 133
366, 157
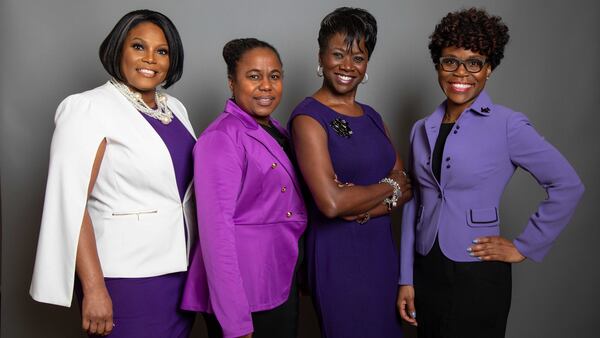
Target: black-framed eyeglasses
472, 65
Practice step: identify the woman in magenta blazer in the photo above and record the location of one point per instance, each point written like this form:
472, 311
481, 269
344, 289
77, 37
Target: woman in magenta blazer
250, 209
463, 155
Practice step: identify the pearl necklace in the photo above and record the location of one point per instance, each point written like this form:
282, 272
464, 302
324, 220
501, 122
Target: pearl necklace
162, 111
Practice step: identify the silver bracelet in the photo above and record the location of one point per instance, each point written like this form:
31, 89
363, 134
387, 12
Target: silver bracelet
392, 201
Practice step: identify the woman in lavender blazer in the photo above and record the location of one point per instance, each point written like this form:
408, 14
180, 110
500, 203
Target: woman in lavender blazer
250, 208
463, 155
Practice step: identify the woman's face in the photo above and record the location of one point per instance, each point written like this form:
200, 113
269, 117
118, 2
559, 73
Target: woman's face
343, 69
145, 58
258, 83
461, 86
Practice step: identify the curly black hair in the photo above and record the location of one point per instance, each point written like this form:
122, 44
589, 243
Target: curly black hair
473, 29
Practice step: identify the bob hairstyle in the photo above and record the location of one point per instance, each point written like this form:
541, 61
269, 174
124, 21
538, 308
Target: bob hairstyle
236, 48
473, 29
111, 49
356, 23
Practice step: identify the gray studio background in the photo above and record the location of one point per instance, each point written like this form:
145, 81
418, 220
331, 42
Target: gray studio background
550, 72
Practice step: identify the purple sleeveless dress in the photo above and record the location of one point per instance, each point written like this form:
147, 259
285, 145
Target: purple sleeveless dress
149, 307
352, 268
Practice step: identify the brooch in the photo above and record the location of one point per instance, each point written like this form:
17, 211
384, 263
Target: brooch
341, 127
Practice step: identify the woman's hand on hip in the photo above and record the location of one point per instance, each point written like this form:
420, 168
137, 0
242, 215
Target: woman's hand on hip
495, 248
406, 304
97, 313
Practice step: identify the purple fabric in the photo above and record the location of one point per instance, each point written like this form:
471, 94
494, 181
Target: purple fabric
352, 268
487, 144
250, 217
180, 143
149, 307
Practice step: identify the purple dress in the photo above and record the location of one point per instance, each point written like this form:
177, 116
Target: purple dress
352, 268
149, 307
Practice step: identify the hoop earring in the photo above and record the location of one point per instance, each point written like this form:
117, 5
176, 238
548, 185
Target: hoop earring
365, 79
320, 71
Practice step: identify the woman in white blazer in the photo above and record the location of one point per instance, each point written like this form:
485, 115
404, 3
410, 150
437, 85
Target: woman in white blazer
118, 212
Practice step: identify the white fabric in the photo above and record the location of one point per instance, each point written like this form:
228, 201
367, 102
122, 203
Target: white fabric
136, 212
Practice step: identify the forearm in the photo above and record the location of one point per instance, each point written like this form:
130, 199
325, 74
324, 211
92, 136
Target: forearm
352, 200
88, 266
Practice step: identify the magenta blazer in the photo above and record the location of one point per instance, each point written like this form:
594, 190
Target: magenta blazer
250, 217
487, 144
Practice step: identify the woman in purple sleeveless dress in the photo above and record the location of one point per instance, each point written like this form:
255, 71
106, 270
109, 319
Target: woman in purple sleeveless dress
121, 159
356, 179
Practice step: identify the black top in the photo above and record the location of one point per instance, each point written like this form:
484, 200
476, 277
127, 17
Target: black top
283, 141
438, 151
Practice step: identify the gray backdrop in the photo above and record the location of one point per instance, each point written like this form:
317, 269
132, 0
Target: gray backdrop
550, 72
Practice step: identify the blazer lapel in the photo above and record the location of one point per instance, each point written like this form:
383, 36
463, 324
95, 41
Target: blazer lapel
150, 135
432, 126
275, 149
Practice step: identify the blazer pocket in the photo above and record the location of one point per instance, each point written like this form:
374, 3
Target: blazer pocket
136, 213
486, 217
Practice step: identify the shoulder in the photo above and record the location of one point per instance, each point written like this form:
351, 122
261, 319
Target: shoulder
509, 117
227, 126
311, 108
84, 105
418, 125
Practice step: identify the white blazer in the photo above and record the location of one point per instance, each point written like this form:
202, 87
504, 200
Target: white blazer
135, 208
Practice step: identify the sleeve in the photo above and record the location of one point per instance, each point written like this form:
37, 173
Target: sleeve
533, 153
407, 228
74, 146
218, 175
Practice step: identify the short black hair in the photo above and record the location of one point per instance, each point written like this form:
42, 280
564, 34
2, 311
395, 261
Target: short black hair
473, 29
356, 23
236, 48
111, 49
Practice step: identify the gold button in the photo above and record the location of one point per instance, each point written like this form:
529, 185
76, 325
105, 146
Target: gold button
274, 165
289, 214
283, 189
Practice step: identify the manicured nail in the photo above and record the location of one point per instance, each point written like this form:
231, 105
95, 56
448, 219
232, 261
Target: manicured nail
413, 315
475, 241
471, 254
480, 258
469, 249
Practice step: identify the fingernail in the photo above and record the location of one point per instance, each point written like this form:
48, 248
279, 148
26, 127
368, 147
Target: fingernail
469, 249
471, 254
475, 241
413, 315
480, 258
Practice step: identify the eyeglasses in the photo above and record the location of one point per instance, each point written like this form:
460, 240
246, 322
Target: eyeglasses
451, 64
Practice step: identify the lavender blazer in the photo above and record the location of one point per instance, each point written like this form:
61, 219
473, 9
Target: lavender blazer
487, 144
250, 217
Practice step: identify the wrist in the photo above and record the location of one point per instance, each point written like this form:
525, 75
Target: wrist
392, 201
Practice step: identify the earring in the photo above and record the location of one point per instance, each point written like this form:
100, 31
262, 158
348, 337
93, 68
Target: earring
365, 79
320, 71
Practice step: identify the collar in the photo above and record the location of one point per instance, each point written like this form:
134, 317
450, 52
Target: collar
249, 122
483, 104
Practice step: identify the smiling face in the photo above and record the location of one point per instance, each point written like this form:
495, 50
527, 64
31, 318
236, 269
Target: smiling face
257, 83
145, 60
343, 69
460, 86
